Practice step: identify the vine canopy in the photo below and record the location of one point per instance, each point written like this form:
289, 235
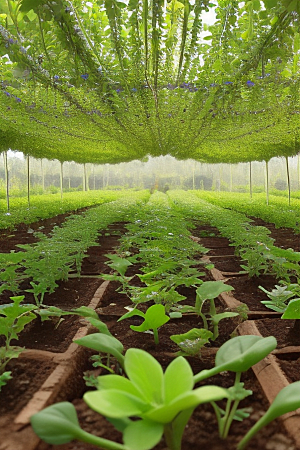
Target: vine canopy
108, 81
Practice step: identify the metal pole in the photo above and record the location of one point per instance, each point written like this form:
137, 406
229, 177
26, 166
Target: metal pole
288, 178
6, 179
28, 180
267, 182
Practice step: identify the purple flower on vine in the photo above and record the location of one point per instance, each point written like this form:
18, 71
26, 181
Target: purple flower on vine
18, 100
228, 82
84, 76
250, 83
56, 77
7, 93
134, 89
10, 41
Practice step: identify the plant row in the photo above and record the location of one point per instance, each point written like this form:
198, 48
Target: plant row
46, 262
252, 243
277, 212
46, 206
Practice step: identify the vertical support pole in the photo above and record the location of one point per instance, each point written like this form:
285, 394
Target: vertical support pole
6, 179
267, 182
250, 179
298, 170
230, 181
87, 181
83, 178
43, 177
61, 180
107, 178
193, 176
28, 180
288, 178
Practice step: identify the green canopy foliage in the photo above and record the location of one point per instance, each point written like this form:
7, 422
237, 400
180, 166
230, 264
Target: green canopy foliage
110, 81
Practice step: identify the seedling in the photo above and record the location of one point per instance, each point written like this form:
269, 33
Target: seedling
104, 343
162, 403
192, 342
154, 318
209, 290
13, 318
280, 295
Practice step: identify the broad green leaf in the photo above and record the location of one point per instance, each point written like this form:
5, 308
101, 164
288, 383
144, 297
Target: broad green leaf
57, 424
155, 317
85, 311
204, 394
292, 310
216, 318
103, 343
134, 312
193, 334
4, 378
143, 434
146, 374
119, 264
239, 354
242, 352
211, 289
101, 326
178, 378
115, 403
117, 382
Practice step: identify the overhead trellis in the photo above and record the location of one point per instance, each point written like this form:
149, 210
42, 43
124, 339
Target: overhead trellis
111, 81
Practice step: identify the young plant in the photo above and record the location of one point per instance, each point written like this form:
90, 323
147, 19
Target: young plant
13, 318
209, 290
154, 318
162, 402
191, 343
10, 276
280, 295
104, 342
120, 266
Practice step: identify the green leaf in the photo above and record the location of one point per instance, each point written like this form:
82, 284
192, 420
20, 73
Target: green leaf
178, 379
101, 326
133, 312
143, 434
4, 378
57, 424
116, 404
85, 311
145, 373
103, 343
217, 317
27, 5
119, 264
212, 289
242, 352
292, 310
286, 401
204, 394
155, 317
